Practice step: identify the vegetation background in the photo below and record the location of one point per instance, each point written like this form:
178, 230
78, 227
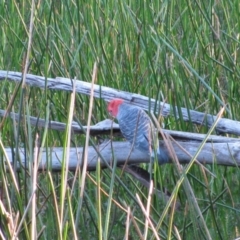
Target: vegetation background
183, 52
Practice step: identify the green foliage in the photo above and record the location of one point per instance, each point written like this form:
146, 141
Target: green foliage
183, 52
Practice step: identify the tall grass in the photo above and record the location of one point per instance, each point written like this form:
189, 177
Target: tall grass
184, 52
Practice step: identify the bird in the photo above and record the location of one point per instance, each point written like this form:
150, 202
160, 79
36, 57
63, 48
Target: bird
137, 128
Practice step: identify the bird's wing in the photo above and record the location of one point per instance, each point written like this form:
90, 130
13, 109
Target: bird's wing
136, 127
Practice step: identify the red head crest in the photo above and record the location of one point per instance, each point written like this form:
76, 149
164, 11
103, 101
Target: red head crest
113, 106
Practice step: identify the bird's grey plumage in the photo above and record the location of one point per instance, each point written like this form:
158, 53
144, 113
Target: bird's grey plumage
136, 126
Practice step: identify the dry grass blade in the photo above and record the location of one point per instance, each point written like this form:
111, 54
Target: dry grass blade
84, 169
127, 223
146, 214
65, 170
34, 189
148, 209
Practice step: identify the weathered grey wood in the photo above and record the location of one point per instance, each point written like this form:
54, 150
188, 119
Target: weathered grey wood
105, 126
220, 153
223, 126
97, 129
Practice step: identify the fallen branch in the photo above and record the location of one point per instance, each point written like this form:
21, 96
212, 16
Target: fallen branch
222, 150
104, 127
227, 154
223, 126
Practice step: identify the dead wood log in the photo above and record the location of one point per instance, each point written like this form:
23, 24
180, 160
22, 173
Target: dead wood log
107, 126
223, 126
227, 154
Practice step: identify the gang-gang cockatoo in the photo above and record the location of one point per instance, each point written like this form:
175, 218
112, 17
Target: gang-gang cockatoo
137, 127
